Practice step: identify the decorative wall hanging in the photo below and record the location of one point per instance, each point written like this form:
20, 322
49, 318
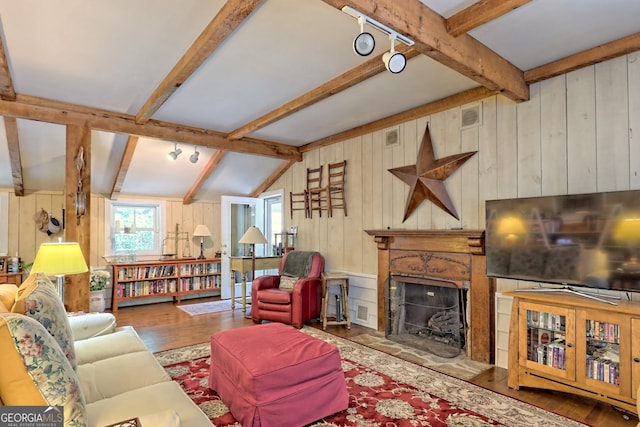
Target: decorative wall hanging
426, 177
45, 223
81, 197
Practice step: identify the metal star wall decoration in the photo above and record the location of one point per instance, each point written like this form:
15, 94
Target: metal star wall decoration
426, 177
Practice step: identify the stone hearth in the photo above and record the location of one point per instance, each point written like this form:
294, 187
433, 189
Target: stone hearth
449, 255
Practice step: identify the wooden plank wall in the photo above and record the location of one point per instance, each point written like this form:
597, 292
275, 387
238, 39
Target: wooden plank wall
575, 135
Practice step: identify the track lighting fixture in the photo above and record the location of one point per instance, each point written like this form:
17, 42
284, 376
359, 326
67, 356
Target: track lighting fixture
175, 153
394, 61
194, 157
364, 43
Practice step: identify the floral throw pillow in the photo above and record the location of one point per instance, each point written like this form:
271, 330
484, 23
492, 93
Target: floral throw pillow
287, 282
35, 372
38, 299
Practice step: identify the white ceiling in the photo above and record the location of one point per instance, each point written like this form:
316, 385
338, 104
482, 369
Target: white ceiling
112, 54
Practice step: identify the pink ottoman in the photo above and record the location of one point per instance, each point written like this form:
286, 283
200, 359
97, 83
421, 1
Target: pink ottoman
274, 375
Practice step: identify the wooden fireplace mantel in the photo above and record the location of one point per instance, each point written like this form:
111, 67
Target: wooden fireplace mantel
457, 255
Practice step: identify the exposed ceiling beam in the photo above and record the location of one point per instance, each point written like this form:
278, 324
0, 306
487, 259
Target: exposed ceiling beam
443, 104
45, 110
7, 91
214, 161
232, 14
343, 82
123, 168
272, 178
428, 30
11, 128
582, 59
480, 13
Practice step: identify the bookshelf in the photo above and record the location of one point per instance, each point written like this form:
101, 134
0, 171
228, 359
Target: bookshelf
172, 278
576, 345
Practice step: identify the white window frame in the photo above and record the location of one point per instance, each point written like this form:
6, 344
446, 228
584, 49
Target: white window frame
109, 227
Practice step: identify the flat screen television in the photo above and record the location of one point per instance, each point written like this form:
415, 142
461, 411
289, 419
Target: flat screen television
588, 240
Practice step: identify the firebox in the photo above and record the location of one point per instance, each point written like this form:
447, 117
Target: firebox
426, 314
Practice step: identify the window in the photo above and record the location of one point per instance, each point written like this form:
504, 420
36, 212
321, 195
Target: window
135, 227
273, 218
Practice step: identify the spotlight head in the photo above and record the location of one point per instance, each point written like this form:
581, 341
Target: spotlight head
394, 61
175, 153
194, 157
364, 44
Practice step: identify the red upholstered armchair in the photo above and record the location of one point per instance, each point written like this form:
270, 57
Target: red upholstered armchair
288, 300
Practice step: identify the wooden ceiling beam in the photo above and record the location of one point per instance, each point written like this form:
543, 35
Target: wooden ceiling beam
7, 92
582, 59
343, 82
209, 168
11, 128
272, 178
232, 14
443, 104
44, 110
480, 13
463, 54
123, 168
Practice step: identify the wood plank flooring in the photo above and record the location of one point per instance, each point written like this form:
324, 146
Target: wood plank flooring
162, 326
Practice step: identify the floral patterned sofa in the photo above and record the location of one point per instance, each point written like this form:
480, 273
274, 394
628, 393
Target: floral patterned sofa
100, 374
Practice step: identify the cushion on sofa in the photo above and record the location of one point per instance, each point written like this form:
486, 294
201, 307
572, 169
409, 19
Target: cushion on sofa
7, 295
35, 372
122, 341
91, 325
37, 298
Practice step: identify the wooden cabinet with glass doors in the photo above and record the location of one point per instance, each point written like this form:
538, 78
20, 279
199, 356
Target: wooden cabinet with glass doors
576, 345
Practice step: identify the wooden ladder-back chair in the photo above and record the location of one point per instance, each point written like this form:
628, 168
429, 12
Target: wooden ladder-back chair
299, 202
317, 194
335, 187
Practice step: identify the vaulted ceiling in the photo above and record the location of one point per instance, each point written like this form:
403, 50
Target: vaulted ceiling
251, 85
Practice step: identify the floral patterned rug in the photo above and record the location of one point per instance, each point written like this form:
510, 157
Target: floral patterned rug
384, 391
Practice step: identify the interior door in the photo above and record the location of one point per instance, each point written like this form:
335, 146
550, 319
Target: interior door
238, 214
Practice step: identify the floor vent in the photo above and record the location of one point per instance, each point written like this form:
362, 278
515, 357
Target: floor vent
471, 116
362, 313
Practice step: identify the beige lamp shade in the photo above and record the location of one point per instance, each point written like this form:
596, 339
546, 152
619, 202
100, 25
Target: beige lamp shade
253, 235
60, 258
627, 230
201, 231
511, 225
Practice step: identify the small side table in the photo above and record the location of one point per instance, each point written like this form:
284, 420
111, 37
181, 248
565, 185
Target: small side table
342, 309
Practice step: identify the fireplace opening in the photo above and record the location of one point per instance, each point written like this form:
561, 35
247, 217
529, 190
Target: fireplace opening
426, 314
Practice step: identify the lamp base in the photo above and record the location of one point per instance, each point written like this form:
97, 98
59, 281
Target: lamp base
60, 287
201, 250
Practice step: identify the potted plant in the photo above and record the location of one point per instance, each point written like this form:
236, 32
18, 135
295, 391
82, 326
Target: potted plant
98, 280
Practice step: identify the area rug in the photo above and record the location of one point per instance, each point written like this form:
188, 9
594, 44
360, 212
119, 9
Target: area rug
384, 390
211, 307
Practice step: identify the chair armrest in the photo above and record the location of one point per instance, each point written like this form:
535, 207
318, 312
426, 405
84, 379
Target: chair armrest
91, 325
265, 282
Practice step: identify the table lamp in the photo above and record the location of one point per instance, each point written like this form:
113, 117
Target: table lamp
253, 236
58, 259
628, 231
201, 231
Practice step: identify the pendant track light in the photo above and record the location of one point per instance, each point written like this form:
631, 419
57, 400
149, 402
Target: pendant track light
365, 43
175, 153
194, 157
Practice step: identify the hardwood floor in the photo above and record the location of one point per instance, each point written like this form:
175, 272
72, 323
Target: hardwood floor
162, 326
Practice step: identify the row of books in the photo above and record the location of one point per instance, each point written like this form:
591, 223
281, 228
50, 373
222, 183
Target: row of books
201, 282
552, 354
148, 287
544, 320
602, 369
148, 272
202, 268
603, 331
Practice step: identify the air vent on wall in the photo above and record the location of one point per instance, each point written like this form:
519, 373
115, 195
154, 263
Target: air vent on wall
392, 138
471, 116
362, 313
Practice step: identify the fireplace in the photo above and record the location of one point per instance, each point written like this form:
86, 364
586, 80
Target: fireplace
442, 259
426, 314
